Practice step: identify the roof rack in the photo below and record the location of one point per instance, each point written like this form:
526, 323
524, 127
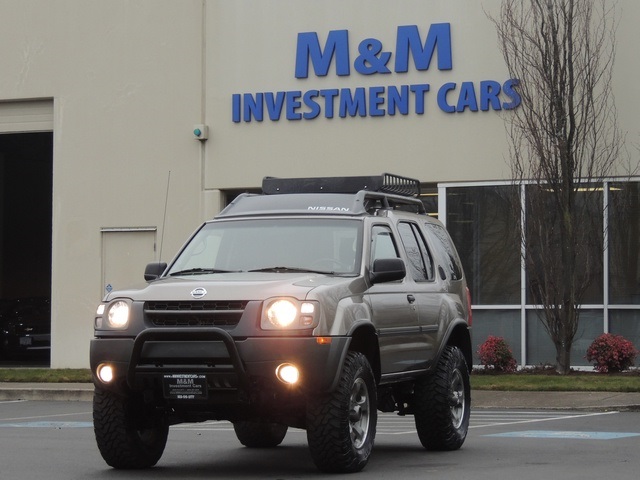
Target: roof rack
372, 202
385, 183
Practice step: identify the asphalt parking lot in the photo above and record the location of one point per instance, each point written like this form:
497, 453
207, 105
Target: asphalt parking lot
54, 441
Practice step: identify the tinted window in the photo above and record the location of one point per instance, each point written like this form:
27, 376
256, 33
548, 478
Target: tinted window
483, 224
415, 247
452, 258
624, 244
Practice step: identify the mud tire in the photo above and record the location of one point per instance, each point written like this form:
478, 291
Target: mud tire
442, 403
341, 426
126, 437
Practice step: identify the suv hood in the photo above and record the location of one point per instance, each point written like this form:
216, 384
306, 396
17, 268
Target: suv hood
230, 286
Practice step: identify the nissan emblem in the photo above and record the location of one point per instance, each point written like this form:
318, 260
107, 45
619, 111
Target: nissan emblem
198, 292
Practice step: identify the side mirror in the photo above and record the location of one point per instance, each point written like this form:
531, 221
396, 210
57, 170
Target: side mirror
387, 270
154, 270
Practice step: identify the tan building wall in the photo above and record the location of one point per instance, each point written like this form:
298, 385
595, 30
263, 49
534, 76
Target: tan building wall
128, 80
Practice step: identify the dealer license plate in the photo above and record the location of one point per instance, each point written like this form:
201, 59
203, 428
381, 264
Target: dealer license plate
185, 386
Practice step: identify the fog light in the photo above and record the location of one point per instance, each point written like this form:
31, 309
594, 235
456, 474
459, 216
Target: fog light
105, 373
288, 373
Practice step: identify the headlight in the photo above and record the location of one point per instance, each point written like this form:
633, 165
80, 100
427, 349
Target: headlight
282, 313
118, 315
288, 314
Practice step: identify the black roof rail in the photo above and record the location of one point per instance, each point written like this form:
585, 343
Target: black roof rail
385, 183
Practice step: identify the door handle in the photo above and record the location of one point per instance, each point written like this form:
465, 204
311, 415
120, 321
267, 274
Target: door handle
411, 298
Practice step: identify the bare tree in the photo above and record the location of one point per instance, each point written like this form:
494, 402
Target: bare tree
564, 141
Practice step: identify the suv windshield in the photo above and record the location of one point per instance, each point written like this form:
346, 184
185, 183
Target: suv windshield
283, 245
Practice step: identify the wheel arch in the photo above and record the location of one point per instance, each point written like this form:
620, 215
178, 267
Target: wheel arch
364, 339
459, 335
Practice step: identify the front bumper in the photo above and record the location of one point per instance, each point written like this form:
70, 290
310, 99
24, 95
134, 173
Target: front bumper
230, 365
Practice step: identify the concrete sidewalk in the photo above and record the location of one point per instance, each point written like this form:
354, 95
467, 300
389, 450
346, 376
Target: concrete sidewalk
598, 401
479, 398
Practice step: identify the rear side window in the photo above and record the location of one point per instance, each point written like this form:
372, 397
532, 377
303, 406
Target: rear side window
420, 263
453, 263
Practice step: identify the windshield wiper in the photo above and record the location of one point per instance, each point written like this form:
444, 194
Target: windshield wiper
198, 271
290, 269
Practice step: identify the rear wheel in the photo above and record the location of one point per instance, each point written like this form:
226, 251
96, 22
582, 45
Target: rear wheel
126, 438
341, 426
443, 403
260, 435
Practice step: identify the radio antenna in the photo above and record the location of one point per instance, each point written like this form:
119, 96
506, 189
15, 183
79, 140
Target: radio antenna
164, 217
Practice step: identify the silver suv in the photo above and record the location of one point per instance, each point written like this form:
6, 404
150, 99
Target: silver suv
314, 305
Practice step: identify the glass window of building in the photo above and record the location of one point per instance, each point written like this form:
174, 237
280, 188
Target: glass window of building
548, 265
481, 222
624, 243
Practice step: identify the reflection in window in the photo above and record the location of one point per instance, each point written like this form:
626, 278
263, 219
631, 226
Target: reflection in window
548, 266
453, 262
540, 348
419, 260
624, 243
481, 222
626, 323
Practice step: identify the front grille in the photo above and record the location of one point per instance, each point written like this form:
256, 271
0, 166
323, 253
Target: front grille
194, 313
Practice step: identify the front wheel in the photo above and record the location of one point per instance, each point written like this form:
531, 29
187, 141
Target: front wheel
127, 438
443, 403
341, 426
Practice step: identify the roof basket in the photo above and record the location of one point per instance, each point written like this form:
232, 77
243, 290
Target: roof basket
385, 183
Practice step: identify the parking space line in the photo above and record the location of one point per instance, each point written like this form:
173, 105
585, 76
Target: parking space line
545, 419
565, 435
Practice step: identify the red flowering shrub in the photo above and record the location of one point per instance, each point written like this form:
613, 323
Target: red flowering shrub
495, 354
611, 353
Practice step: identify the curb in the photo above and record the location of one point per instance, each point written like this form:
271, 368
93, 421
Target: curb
54, 392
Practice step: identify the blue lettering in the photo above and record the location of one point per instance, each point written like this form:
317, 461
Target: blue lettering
408, 40
368, 62
489, 91
293, 103
399, 99
420, 91
467, 98
308, 99
235, 107
329, 94
253, 107
274, 105
442, 97
352, 105
508, 89
308, 48
375, 100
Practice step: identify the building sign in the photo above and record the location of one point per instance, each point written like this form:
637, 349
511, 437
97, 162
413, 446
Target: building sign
372, 58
